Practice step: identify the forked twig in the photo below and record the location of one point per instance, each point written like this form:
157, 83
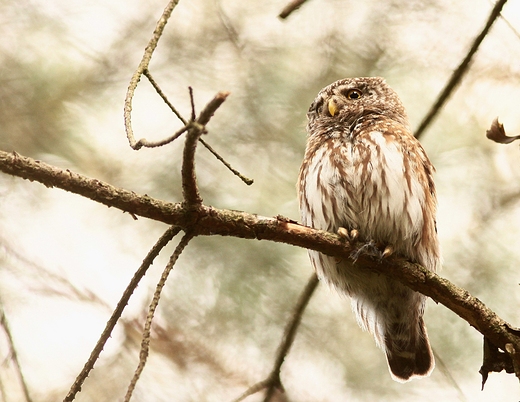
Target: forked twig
273, 382
178, 133
189, 180
148, 260
142, 69
457, 75
145, 343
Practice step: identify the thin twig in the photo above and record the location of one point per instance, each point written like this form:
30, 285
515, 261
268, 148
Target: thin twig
457, 75
192, 103
14, 355
143, 65
273, 382
511, 27
212, 107
189, 178
159, 91
118, 311
153, 144
145, 343
245, 179
289, 8
253, 389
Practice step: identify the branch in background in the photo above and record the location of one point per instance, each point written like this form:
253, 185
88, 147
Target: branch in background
457, 75
205, 220
118, 311
13, 354
273, 382
289, 335
290, 7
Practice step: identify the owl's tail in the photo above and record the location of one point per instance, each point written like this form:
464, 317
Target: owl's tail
408, 351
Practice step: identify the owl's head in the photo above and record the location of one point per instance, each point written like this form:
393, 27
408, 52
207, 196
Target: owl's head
345, 101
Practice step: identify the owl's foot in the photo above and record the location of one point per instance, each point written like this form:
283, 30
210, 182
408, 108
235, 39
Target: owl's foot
350, 236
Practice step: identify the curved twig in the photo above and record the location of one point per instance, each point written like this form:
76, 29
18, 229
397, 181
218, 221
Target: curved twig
143, 65
118, 311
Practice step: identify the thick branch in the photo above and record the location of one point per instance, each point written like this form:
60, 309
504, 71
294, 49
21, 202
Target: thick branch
204, 220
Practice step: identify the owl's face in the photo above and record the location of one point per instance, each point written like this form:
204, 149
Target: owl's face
345, 101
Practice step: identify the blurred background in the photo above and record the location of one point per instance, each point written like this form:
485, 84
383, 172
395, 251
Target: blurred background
64, 260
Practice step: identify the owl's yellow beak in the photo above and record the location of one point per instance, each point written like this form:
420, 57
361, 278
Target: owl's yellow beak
333, 108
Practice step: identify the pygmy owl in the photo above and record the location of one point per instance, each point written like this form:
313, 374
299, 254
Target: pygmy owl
366, 175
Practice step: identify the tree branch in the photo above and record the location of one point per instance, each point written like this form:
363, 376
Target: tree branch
205, 220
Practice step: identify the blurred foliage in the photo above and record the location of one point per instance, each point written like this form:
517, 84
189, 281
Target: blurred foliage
64, 70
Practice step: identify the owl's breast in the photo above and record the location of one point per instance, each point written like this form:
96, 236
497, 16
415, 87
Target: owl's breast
362, 183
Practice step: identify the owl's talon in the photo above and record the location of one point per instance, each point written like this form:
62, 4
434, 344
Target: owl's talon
342, 232
387, 252
350, 236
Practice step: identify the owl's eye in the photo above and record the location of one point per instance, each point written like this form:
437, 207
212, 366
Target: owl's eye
354, 94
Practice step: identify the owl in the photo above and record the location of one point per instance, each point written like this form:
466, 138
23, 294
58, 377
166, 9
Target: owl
365, 176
